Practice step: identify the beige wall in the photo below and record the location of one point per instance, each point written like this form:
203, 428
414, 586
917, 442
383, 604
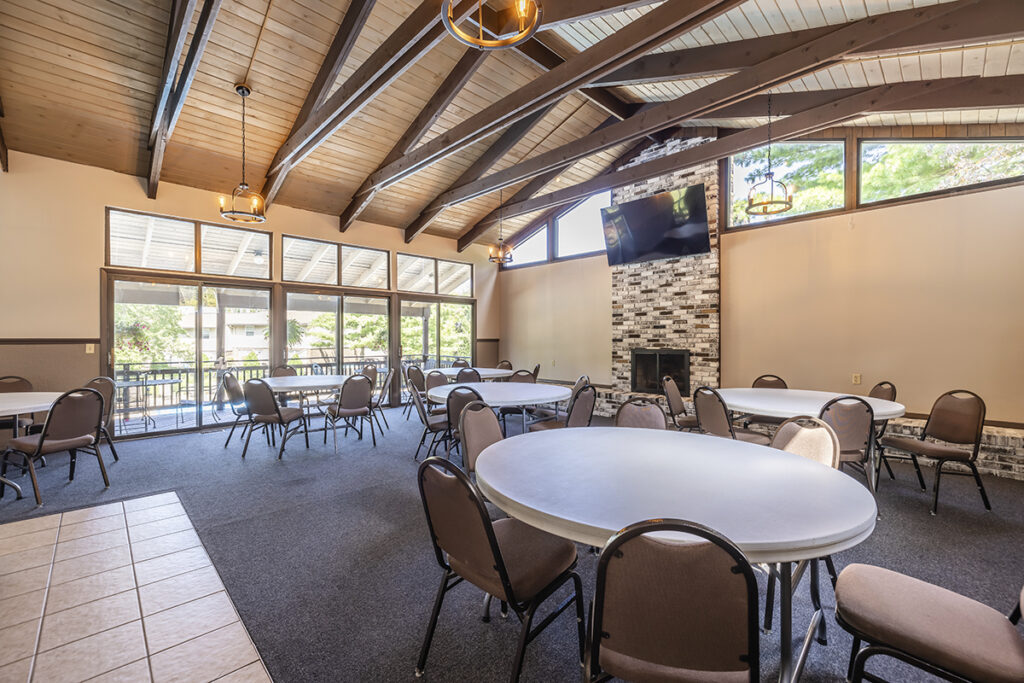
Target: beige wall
52, 218
927, 295
559, 315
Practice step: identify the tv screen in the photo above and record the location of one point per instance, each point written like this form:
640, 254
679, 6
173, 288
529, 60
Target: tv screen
666, 225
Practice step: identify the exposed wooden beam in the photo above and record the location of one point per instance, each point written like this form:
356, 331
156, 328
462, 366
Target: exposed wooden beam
413, 38
177, 30
4, 163
168, 116
635, 39
987, 21
344, 40
796, 62
499, 148
442, 97
817, 118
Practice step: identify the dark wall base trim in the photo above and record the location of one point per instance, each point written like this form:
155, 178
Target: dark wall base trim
11, 341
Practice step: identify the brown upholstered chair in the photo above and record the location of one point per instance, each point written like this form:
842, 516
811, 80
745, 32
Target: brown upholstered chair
435, 425
478, 429
957, 417
415, 381
378, 404
808, 437
854, 423
766, 382
676, 407
513, 561
713, 418
236, 401
370, 370
641, 413
73, 423
504, 365
467, 375
108, 391
524, 376
887, 392
8, 385
673, 610
458, 398
267, 415
352, 408
536, 371
579, 413
941, 632
286, 371
460, 363
544, 413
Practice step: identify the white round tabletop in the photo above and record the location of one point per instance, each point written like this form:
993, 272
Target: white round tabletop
585, 484
305, 382
485, 373
25, 402
507, 394
787, 403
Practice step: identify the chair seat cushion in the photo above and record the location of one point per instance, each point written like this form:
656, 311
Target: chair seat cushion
930, 623
546, 425
852, 456
27, 444
348, 412
686, 421
440, 410
287, 415
928, 449
764, 420
632, 669
533, 558
750, 436
437, 423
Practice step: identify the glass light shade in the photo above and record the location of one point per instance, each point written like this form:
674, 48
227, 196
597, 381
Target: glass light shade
528, 14
768, 197
246, 206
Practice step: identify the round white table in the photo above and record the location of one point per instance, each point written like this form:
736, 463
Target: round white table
586, 484
301, 383
18, 403
485, 373
788, 403
508, 394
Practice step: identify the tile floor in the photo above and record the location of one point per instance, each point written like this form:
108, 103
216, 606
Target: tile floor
118, 592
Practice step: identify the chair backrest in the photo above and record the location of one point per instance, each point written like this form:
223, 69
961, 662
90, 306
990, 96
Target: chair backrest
316, 369
260, 398
385, 387
233, 389
460, 363
284, 371
673, 397
12, 383
581, 382
712, 414
810, 438
478, 429
460, 527
883, 390
581, 407
536, 371
957, 416
504, 365
468, 375
356, 392
417, 400
107, 388
371, 372
459, 398
853, 421
435, 378
769, 382
681, 607
75, 413
641, 413
524, 376
415, 376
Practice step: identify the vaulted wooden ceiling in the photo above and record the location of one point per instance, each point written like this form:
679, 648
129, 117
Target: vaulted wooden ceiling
402, 121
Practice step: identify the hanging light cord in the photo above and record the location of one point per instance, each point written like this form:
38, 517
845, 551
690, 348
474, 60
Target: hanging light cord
243, 141
769, 132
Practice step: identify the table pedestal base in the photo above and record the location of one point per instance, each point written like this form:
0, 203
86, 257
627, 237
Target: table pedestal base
789, 575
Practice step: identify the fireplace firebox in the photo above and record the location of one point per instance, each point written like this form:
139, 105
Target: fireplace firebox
650, 365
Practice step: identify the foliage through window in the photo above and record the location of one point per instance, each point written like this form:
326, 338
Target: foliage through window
813, 172
580, 230
533, 249
889, 170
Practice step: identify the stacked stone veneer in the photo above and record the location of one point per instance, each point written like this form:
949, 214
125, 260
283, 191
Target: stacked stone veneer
672, 303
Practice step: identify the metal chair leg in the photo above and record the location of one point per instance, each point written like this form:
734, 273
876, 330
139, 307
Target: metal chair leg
981, 486
230, 433
74, 459
938, 478
524, 638
103, 468
432, 624
486, 618
853, 655
110, 442
581, 619
917, 467
769, 602
831, 567
246, 446
35, 482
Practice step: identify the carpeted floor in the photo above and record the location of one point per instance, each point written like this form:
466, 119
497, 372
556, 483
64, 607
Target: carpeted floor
328, 562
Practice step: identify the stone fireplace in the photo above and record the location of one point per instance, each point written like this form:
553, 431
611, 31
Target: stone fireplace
648, 366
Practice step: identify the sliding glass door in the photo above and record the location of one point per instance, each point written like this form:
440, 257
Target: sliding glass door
312, 336
235, 338
366, 335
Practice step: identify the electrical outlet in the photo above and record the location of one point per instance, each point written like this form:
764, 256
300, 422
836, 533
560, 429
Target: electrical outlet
856, 378
90, 348
552, 363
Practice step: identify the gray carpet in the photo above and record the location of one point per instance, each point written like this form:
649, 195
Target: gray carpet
327, 557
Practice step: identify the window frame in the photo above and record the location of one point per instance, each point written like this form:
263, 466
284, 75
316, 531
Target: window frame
550, 222
199, 249
337, 249
437, 279
387, 266
553, 229
436, 260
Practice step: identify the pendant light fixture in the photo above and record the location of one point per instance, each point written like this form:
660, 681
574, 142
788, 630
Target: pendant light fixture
246, 205
527, 18
769, 196
500, 253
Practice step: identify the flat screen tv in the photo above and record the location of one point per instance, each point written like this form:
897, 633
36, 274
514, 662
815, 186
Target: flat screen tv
665, 225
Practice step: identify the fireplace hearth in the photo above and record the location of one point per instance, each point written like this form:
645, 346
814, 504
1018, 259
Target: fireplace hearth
650, 365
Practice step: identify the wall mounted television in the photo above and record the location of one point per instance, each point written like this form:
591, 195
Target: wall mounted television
665, 225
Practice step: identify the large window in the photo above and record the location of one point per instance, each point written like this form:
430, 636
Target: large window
312, 336
361, 267
153, 242
533, 249
454, 278
813, 172
235, 252
309, 261
434, 276
580, 230
890, 169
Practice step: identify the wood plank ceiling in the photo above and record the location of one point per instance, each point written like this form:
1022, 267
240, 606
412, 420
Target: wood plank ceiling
79, 80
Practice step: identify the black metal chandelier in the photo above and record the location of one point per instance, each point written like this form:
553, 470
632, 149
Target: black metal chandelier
528, 13
500, 253
246, 205
769, 196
